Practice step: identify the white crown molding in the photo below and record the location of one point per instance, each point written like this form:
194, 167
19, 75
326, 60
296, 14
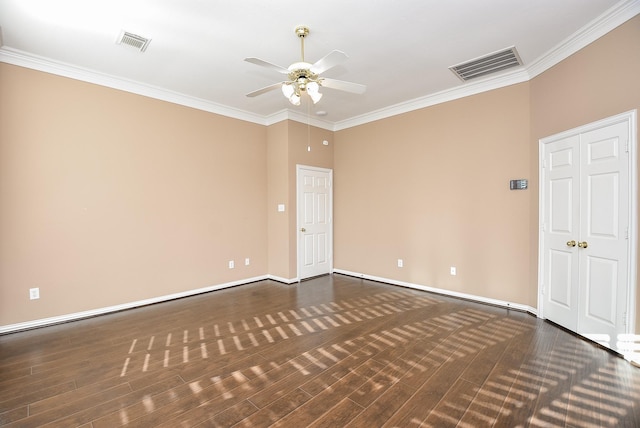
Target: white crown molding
276, 117
313, 121
612, 18
472, 88
297, 117
23, 59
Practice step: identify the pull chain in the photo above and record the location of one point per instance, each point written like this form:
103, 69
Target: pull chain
308, 126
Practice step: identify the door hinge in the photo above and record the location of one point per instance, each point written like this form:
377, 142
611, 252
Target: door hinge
626, 146
626, 233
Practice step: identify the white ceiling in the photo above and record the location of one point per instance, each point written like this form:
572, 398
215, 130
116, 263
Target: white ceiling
400, 50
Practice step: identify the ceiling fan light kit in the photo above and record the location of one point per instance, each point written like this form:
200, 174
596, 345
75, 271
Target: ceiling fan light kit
304, 77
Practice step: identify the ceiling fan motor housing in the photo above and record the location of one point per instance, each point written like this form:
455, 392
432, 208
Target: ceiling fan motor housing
303, 76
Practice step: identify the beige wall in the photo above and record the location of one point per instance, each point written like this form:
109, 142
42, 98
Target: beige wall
278, 193
302, 136
289, 144
109, 198
599, 81
431, 187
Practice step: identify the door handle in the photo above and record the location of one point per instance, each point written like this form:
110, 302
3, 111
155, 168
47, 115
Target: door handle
303, 230
583, 244
571, 243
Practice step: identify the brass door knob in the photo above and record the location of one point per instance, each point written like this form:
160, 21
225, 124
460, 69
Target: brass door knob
303, 230
571, 243
583, 244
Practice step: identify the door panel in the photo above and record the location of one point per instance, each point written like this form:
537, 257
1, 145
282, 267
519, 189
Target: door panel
307, 240
603, 193
322, 248
560, 274
561, 220
600, 295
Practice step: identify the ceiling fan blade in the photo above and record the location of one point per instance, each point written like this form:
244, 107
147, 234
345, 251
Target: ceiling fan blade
264, 90
330, 60
263, 63
341, 85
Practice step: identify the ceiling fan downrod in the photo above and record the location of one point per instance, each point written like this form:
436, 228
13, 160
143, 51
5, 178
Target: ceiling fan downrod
302, 32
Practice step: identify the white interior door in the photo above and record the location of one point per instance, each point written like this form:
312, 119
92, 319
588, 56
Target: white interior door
315, 223
561, 187
586, 205
604, 230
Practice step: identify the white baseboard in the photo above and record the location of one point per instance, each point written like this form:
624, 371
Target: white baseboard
11, 328
101, 311
472, 297
281, 279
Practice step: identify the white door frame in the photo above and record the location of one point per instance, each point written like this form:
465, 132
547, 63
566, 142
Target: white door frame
299, 220
631, 118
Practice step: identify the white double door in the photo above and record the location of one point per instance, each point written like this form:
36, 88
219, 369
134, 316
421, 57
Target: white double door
586, 283
315, 221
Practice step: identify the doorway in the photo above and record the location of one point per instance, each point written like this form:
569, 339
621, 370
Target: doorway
315, 221
588, 233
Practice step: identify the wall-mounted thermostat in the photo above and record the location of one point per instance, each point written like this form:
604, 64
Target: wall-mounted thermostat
520, 184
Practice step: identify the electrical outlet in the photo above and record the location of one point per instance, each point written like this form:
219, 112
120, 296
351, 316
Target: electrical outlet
34, 293
400, 263
231, 264
453, 270
247, 262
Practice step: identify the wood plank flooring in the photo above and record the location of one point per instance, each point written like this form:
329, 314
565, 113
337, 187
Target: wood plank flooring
334, 351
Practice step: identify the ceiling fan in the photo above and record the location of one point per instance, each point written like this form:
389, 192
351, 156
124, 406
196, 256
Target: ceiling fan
305, 77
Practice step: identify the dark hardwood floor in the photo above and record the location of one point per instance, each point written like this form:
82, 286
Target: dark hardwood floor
334, 351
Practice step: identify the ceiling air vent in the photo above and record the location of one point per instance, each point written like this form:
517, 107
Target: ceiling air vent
133, 40
488, 64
